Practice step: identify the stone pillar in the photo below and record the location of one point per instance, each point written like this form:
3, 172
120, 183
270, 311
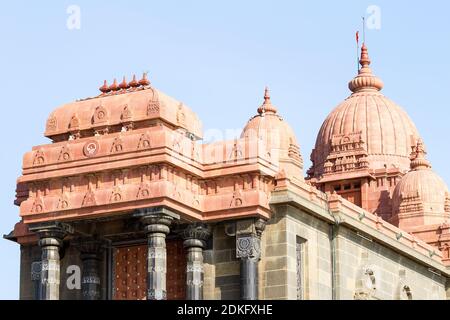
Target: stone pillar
51, 237
36, 269
248, 250
157, 223
90, 254
195, 236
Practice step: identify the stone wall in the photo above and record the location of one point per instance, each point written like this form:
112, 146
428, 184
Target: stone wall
363, 267
221, 267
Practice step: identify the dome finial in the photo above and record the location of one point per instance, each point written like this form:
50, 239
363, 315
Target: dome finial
365, 60
418, 159
267, 106
365, 80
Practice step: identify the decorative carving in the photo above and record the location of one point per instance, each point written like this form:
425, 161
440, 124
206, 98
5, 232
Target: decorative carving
126, 114
144, 141
248, 247
181, 117
51, 124
39, 158
91, 148
153, 105
117, 145
144, 191
38, 205
63, 202
65, 154
237, 199
100, 115
89, 199
74, 123
116, 195
366, 281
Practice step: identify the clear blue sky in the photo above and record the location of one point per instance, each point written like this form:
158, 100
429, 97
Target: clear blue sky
216, 57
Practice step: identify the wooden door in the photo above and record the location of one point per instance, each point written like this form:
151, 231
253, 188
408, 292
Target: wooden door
130, 276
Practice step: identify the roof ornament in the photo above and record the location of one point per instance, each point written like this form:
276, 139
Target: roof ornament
267, 106
105, 88
125, 86
418, 157
365, 80
133, 83
144, 81
114, 86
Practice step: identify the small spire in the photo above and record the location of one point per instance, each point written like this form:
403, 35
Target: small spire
418, 157
105, 88
133, 83
144, 81
267, 106
114, 86
365, 60
124, 84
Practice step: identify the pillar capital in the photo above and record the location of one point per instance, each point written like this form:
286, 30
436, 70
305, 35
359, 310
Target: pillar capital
195, 235
156, 220
51, 233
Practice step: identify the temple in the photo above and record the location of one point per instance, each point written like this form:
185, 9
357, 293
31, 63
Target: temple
126, 202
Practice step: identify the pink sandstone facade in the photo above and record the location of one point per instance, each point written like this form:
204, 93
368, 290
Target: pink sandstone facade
129, 168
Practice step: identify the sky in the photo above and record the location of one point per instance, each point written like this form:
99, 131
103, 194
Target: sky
216, 57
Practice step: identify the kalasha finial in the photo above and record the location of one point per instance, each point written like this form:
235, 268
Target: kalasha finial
418, 159
124, 84
104, 88
114, 86
365, 60
133, 83
267, 106
144, 81
365, 80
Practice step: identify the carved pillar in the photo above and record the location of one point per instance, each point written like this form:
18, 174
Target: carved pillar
248, 250
157, 223
195, 236
51, 237
36, 269
90, 254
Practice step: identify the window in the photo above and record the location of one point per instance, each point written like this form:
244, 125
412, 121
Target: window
301, 267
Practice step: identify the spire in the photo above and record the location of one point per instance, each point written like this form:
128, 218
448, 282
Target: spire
418, 159
365, 80
267, 106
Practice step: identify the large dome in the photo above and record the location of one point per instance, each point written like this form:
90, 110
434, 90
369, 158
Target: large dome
421, 197
369, 122
277, 137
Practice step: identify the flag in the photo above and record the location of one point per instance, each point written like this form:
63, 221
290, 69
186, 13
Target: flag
357, 37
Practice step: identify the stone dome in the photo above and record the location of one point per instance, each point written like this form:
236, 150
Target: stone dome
376, 124
421, 193
276, 136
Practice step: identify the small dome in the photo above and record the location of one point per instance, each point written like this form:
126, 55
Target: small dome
277, 136
368, 122
421, 193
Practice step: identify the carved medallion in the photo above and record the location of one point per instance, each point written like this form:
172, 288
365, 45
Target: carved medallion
91, 148
144, 191
39, 158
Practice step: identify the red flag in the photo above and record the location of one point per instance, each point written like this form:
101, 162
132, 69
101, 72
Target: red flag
357, 37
